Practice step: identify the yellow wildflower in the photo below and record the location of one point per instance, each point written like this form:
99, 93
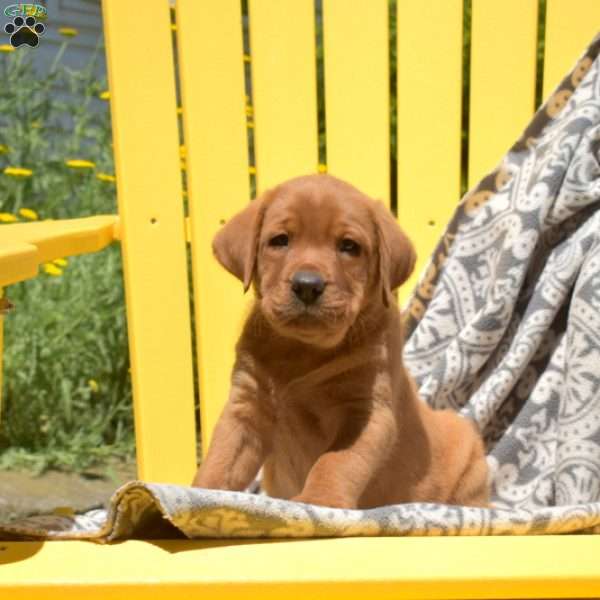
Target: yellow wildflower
173, 27
80, 164
36, 124
4, 149
322, 168
182, 151
28, 214
6, 48
252, 170
7, 218
52, 269
105, 95
18, 172
249, 111
68, 31
60, 262
106, 177
93, 385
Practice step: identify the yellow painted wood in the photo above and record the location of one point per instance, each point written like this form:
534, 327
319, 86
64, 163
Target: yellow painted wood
429, 120
218, 181
282, 44
502, 87
570, 27
24, 246
146, 145
352, 568
18, 261
357, 93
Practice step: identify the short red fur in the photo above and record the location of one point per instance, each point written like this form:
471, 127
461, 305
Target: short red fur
320, 396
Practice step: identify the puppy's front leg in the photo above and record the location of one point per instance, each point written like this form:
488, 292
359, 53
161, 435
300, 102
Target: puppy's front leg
339, 477
240, 440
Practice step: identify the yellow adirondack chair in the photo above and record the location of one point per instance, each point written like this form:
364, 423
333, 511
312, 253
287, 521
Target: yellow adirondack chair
153, 230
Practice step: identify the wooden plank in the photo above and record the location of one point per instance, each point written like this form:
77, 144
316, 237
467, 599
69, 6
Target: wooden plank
24, 246
502, 86
282, 44
348, 569
357, 93
218, 181
146, 146
429, 120
63, 237
18, 261
570, 27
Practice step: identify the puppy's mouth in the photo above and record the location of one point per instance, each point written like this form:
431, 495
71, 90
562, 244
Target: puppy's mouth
324, 316
322, 323
296, 314
306, 317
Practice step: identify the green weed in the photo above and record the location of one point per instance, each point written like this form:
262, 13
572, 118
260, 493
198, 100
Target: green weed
66, 400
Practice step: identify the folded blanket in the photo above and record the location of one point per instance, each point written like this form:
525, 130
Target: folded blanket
504, 326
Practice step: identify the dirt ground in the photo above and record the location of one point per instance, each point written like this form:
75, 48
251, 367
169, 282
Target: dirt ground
24, 494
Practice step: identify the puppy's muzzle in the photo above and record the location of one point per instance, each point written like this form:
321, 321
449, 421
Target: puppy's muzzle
307, 286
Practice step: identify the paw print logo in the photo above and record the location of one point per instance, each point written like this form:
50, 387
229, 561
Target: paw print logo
24, 31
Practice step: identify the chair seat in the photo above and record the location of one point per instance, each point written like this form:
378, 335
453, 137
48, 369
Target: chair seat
443, 567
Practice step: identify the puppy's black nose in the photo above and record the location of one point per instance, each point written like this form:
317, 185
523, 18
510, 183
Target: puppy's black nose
308, 286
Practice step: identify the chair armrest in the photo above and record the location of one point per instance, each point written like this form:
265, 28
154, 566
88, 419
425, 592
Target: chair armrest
24, 246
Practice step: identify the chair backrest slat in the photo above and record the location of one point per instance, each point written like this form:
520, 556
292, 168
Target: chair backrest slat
282, 45
146, 147
570, 25
357, 91
502, 85
212, 84
429, 58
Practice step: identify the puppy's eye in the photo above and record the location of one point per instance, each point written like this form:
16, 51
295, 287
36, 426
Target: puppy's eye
279, 241
349, 246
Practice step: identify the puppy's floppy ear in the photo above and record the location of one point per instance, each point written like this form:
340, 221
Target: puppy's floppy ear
397, 254
236, 244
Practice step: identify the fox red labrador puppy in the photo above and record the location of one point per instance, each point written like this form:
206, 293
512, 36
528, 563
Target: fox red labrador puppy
319, 395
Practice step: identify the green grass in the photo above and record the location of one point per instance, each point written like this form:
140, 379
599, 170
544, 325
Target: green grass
66, 398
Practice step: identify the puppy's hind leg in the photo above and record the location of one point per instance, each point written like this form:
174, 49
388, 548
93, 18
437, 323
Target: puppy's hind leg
473, 487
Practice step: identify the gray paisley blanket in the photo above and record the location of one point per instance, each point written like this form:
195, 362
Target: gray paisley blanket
504, 327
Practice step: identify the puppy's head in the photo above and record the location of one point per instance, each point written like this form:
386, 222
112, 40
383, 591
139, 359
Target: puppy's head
319, 252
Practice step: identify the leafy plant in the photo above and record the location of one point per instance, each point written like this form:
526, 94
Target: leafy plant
66, 398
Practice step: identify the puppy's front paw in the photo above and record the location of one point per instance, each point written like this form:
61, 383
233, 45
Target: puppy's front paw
330, 500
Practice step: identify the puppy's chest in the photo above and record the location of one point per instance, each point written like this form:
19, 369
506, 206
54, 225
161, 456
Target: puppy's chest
304, 427
309, 417
304, 418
